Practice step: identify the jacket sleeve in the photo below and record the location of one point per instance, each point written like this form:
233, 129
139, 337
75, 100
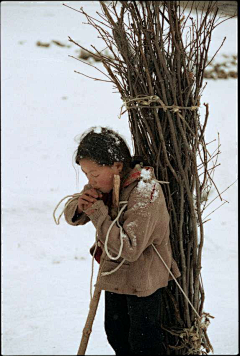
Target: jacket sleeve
71, 209
139, 221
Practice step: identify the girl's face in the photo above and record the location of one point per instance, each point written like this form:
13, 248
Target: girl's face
100, 177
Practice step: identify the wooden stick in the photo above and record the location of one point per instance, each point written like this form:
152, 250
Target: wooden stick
89, 322
116, 187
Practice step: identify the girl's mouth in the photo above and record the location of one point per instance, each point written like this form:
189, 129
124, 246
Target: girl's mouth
98, 190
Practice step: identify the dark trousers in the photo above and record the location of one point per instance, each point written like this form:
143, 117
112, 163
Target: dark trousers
132, 324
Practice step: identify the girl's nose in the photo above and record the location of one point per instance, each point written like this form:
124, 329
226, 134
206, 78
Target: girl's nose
92, 182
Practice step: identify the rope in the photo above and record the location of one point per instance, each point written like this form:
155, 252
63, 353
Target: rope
106, 249
195, 337
121, 235
113, 270
145, 102
73, 196
121, 241
176, 281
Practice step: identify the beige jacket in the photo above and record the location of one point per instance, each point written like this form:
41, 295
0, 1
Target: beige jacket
145, 221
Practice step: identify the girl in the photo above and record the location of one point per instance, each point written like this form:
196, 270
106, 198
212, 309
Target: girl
130, 238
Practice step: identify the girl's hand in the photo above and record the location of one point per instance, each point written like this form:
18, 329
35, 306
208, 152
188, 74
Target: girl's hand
88, 198
88, 212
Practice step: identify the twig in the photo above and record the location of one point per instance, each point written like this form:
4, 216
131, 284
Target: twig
71, 8
215, 53
91, 66
101, 80
216, 209
221, 193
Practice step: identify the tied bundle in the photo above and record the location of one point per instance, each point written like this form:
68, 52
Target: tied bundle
158, 55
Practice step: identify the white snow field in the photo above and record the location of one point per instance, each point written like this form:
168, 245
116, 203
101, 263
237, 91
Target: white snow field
46, 268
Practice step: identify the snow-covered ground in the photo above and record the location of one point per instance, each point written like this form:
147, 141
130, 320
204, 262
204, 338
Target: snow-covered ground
46, 268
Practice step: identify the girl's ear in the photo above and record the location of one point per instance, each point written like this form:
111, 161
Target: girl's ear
118, 166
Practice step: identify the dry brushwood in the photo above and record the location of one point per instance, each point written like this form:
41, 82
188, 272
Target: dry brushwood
158, 57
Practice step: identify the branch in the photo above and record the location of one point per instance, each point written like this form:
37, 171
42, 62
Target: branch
215, 53
101, 80
91, 66
221, 193
216, 209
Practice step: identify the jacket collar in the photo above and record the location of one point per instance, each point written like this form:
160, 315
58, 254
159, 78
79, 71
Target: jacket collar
137, 173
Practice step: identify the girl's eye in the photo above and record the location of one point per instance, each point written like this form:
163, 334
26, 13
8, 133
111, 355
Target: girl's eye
91, 175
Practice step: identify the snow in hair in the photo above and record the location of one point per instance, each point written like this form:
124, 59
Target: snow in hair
103, 145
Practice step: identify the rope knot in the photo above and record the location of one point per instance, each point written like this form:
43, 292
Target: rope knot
175, 108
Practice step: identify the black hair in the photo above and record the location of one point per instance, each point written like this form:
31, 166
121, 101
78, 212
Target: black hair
103, 146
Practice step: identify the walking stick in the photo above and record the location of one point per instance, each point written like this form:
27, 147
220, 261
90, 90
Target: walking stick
97, 292
88, 325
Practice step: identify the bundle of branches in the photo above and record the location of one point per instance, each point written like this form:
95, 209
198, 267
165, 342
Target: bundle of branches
157, 66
